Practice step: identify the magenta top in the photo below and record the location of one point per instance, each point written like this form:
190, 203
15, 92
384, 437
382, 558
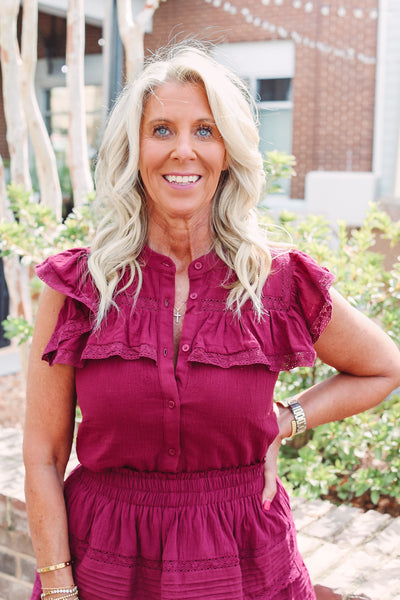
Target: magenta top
215, 410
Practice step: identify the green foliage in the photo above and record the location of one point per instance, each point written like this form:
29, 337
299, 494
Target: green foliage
35, 233
32, 236
357, 455
277, 166
361, 453
17, 328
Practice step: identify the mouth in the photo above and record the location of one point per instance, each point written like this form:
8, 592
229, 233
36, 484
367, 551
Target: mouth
182, 179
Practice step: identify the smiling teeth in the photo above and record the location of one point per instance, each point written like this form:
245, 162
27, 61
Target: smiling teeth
183, 179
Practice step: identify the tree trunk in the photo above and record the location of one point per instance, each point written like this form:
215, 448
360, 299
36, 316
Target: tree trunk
3, 192
49, 184
77, 157
17, 137
132, 34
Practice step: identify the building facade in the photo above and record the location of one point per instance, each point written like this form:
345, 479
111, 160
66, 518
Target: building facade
311, 66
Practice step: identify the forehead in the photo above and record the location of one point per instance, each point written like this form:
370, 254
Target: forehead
177, 97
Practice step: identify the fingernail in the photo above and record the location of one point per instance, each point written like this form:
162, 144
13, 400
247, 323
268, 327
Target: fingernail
267, 505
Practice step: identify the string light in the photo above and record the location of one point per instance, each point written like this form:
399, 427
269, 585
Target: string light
325, 9
347, 54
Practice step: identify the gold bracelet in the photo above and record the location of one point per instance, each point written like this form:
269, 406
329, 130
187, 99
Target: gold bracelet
54, 567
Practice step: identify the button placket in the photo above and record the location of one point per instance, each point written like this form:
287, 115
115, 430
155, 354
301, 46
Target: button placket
171, 404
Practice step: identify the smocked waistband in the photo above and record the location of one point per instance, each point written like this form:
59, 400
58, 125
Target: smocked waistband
172, 489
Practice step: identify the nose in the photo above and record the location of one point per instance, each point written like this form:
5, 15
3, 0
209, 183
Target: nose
183, 147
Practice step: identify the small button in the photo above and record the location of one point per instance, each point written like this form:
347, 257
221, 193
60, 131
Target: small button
165, 352
185, 347
198, 266
193, 296
171, 451
166, 302
171, 404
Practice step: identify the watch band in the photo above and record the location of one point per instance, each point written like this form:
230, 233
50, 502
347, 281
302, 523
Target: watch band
299, 423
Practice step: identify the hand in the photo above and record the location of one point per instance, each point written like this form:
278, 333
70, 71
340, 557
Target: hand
271, 458
271, 473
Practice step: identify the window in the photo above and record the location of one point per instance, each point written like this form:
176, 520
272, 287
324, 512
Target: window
275, 109
268, 68
274, 90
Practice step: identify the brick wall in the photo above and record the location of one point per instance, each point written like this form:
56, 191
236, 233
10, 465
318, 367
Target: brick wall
333, 112
17, 565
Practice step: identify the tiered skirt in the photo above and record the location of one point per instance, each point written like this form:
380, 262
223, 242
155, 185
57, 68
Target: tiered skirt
185, 536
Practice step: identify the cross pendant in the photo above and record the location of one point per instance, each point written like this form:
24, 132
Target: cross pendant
177, 315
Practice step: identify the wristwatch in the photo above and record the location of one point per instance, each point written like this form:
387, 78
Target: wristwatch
299, 423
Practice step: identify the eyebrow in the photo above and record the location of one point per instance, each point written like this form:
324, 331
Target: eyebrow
198, 121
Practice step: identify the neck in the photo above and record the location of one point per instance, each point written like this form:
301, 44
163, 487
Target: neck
181, 244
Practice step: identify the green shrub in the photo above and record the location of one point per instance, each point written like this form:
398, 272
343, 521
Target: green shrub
359, 454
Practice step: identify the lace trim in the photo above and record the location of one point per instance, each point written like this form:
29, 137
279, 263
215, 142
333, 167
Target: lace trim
277, 362
142, 303
284, 554
244, 357
326, 279
71, 329
98, 351
321, 322
169, 566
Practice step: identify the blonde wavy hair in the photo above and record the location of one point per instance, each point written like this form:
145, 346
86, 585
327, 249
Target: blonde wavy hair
237, 238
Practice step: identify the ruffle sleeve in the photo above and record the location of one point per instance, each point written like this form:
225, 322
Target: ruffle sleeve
311, 284
123, 333
297, 307
67, 273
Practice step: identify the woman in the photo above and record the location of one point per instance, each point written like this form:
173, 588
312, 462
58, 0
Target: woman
171, 331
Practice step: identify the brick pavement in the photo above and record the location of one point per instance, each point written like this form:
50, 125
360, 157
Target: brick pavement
342, 547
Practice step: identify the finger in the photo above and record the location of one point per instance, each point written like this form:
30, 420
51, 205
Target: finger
269, 490
270, 474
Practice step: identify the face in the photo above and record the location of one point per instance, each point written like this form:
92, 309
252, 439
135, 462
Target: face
182, 152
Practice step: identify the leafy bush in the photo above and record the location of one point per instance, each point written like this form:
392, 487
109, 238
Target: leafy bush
32, 236
361, 453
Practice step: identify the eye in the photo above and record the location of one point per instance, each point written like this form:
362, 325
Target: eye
204, 131
161, 131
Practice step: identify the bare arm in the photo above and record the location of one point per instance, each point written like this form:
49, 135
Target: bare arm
368, 365
48, 434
